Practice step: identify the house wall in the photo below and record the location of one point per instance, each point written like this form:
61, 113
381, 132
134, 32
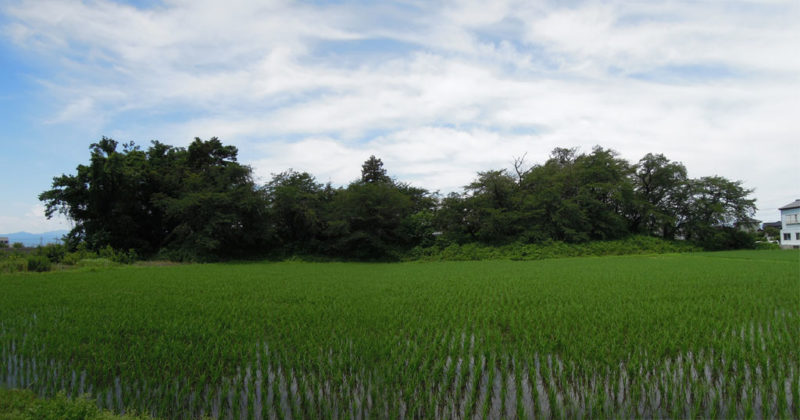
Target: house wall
790, 223
3, 242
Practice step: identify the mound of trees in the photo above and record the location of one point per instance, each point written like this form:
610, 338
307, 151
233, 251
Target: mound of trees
189, 203
199, 203
374, 217
596, 196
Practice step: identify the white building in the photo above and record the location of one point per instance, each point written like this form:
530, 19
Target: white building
3, 242
790, 225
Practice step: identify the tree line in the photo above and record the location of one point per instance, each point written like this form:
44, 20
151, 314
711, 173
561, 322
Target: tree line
200, 203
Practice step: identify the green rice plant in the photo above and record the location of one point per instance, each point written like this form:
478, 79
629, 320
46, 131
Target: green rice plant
703, 335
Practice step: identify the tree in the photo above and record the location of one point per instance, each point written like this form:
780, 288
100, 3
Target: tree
375, 218
418, 227
191, 203
198, 202
574, 197
661, 189
367, 221
372, 171
104, 199
604, 193
716, 205
217, 211
296, 210
452, 219
491, 206
772, 233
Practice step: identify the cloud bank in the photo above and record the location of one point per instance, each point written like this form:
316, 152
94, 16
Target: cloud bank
439, 90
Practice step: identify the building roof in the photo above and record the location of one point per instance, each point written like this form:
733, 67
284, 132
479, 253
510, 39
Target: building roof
793, 205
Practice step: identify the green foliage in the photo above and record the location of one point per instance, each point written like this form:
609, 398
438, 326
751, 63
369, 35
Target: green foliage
197, 201
199, 204
297, 210
771, 232
723, 238
14, 403
81, 252
576, 198
183, 339
18, 404
369, 221
375, 218
95, 263
43, 258
764, 246
372, 171
444, 251
490, 207
17, 245
62, 408
39, 263
120, 257
11, 263
662, 189
54, 252
718, 206
59, 254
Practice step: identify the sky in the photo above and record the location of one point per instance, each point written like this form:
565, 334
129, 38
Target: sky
439, 90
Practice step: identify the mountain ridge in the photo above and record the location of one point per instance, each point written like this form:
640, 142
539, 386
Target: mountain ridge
34, 239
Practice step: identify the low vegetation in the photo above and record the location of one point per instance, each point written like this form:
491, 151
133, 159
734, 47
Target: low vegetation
45, 258
548, 249
17, 404
58, 256
669, 335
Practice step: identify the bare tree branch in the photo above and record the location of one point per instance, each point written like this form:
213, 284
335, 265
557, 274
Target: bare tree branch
519, 163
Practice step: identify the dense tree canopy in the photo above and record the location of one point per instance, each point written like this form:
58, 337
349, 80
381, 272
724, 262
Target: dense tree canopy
190, 203
297, 208
198, 202
662, 188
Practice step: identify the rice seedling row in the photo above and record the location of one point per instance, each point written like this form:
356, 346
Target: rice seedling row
702, 335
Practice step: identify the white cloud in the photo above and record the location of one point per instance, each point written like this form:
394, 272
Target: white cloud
423, 156
77, 109
29, 218
712, 84
645, 35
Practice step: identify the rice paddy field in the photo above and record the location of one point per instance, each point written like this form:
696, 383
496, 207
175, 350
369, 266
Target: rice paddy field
684, 335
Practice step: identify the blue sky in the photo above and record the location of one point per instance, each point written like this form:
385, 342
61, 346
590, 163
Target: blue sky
438, 90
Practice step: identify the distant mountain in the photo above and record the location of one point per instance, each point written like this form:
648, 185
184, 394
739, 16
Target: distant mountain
35, 239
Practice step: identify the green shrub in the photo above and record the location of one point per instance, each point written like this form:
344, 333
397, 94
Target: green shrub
81, 253
23, 404
547, 249
123, 257
39, 263
13, 264
15, 401
57, 253
767, 245
54, 252
177, 255
119, 256
72, 258
728, 238
63, 408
